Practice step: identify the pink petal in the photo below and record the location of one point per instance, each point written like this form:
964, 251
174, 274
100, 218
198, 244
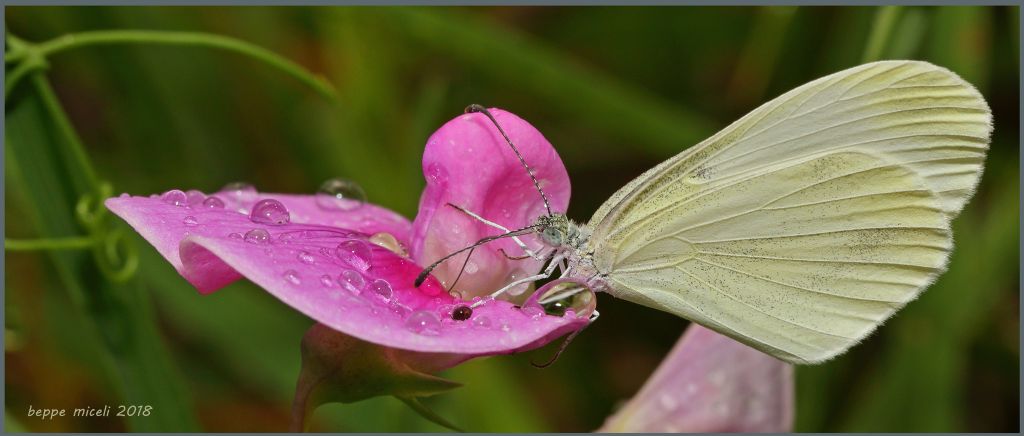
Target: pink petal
163, 225
299, 264
468, 163
711, 383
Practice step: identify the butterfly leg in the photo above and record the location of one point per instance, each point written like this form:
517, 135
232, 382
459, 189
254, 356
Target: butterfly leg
544, 274
519, 242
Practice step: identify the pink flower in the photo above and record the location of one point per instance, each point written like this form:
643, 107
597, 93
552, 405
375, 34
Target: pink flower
351, 266
709, 383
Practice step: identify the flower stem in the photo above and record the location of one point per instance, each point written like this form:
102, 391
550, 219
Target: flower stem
70, 243
107, 37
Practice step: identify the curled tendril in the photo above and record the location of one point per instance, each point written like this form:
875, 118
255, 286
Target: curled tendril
90, 210
117, 256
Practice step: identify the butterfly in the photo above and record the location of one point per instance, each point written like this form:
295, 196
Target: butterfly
799, 228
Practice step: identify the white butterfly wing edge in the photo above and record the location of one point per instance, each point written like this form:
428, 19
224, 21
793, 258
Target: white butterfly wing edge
802, 226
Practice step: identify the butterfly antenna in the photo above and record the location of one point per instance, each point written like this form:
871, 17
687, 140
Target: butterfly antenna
480, 109
426, 271
461, 270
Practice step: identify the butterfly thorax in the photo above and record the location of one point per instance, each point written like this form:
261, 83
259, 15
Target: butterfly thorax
570, 241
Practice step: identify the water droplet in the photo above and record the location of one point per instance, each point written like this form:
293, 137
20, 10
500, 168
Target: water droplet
355, 253
505, 327
482, 321
257, 236
462, 313
175, 197
212, 202
567, 296
471, 267
194, 197
514, 275
532, 311
437, 174
326, 281
190, 221
389, 242
124, 195
240, 192
306, 258
455, 294
424, 323
382, 287
271, 212
352, 280
292, 277
340, 194
235, 235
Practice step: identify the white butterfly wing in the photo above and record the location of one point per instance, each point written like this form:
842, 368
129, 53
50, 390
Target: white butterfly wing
801, 227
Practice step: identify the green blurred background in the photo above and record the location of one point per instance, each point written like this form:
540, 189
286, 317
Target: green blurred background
616, 90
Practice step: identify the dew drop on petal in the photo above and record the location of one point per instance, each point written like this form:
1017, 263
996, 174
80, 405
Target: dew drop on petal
533, 311
482, 321
566, 297
355, 253
437, 174
471, 267
424, 323
175, 197
257, 236
517, 274
455, 294
194, 197
352, 280
382, 287
326, 281
212, 202
125, 195
240, 192
292, 276
340, 194
388, 241
235, 235
668, 402
306, 258
190, 221
271, 212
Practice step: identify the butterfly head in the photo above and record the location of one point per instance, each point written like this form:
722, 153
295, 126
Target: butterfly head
554, 229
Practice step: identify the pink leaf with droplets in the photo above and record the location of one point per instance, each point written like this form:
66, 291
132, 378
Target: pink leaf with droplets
468, 163
711, 383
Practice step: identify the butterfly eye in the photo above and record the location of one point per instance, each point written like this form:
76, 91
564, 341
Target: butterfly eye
552, 236
567, 296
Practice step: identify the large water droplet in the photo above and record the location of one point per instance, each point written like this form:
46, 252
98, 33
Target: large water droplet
257, 236
240, 192
175, 197
271, 212
190, 221
194, 197
292, 276
355, 253
212, 202
306, 258
389, 242
352, 280
340, 194
565, 297
382, 287
424, 323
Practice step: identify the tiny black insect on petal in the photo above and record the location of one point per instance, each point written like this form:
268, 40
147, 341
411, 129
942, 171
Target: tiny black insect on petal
462, 313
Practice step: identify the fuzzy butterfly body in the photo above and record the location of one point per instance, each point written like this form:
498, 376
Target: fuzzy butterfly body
802, 226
